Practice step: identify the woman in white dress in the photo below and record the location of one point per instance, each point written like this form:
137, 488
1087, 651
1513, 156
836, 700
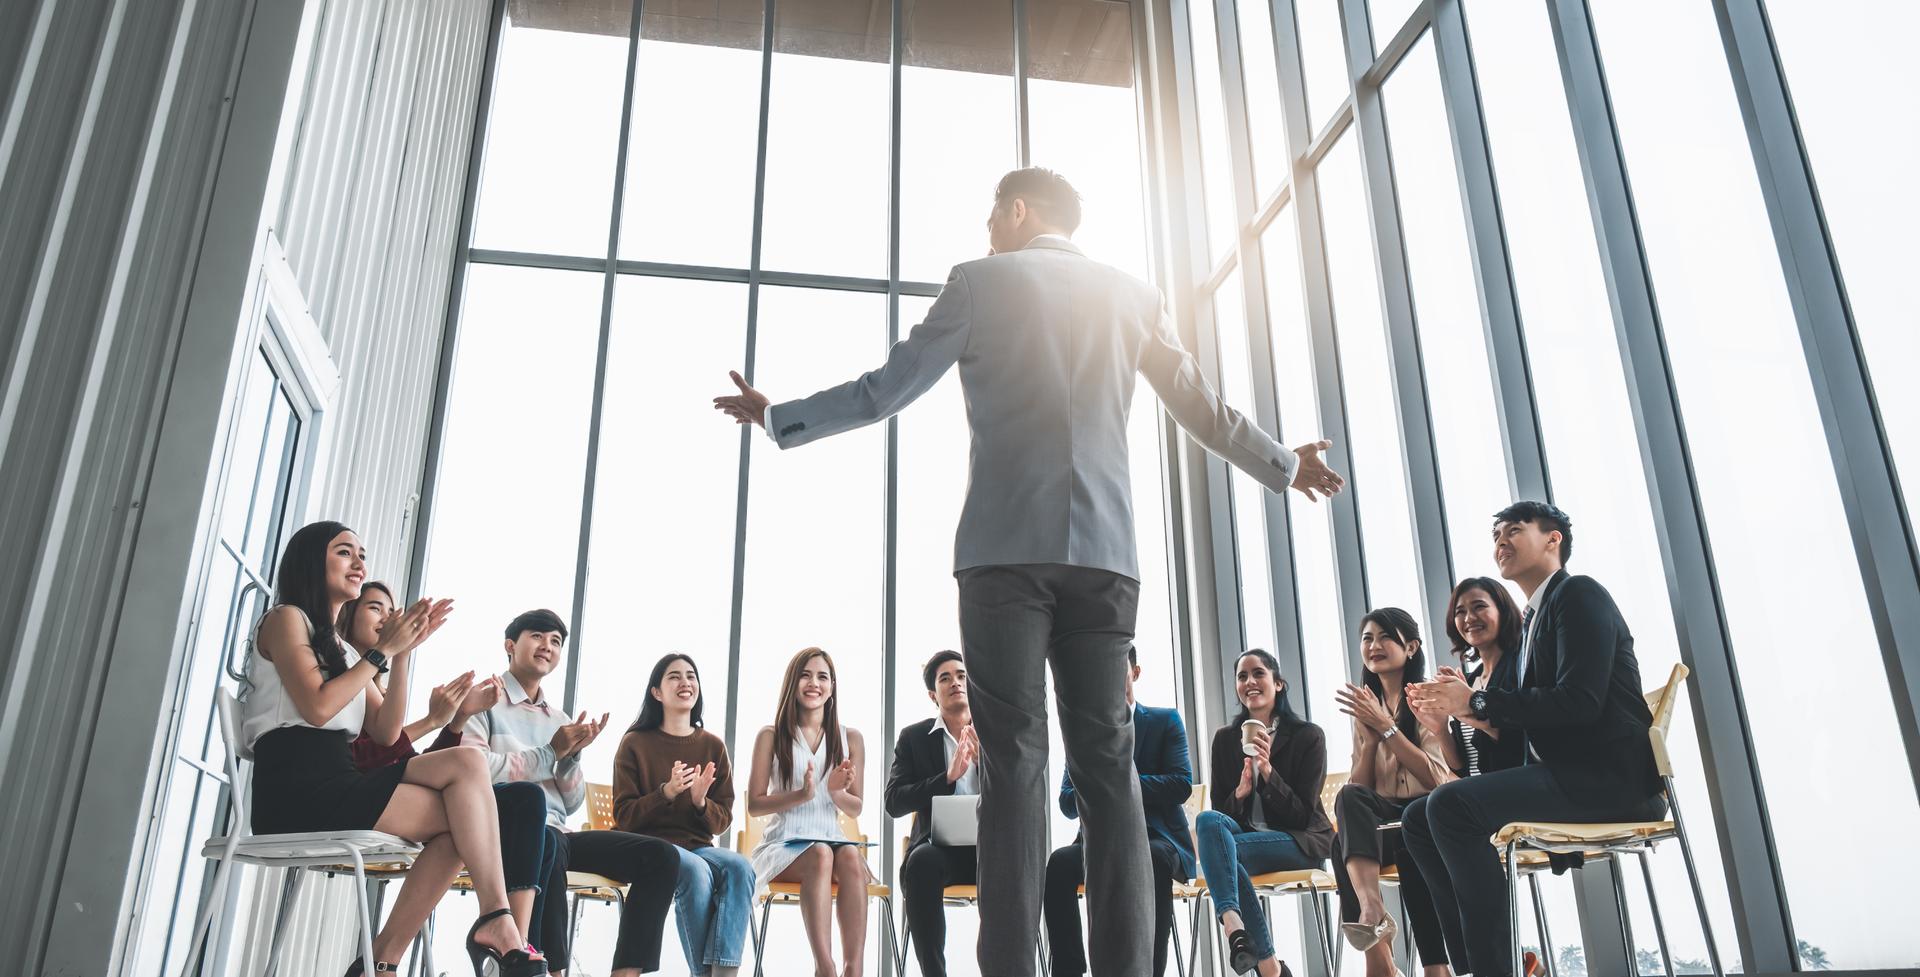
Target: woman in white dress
816, 766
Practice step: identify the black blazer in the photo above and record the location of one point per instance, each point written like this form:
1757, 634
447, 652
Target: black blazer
918, 775
1580, 704
1165, 767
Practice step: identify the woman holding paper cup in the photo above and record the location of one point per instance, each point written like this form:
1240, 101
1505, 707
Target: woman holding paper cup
1267, 767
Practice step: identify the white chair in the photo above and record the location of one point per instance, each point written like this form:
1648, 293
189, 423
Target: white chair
321, 850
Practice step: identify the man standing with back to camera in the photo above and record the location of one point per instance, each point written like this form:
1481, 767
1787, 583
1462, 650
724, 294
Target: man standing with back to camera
1048, 343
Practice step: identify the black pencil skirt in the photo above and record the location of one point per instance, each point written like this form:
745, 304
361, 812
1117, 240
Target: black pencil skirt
304, 780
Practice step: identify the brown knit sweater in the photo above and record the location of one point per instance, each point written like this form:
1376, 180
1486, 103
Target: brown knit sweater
640, 802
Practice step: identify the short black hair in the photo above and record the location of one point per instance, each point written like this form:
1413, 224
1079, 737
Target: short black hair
1133, 656
1549, 517
539, 621
1047, 193
931, 670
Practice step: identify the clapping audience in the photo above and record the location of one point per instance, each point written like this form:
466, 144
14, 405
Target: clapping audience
1539, 717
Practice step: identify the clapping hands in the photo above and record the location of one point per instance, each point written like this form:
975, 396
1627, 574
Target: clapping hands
574, 736
694, 780
964, 755
1366, 708
1447, 695
443, 703
403, 631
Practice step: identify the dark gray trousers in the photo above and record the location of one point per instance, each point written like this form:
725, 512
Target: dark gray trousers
1015, 621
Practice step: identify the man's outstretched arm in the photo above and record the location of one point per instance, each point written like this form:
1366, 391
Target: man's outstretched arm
1176, 377
913, 366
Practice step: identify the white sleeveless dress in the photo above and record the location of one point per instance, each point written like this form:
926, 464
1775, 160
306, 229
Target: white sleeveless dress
815, 820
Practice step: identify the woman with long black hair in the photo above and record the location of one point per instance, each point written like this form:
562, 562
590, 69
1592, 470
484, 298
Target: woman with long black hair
1396, 759
309, 694
673, 780
1271, 820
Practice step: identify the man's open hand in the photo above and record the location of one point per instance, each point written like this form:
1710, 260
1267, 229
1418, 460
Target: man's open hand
749, 406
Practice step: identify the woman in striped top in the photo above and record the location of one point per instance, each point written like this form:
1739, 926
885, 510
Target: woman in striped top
1484, 625
816, 765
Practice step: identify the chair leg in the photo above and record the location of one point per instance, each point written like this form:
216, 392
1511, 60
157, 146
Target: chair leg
1320, 930
906, 943
1540, 920
1693, 877
1194, 916
573, 916
433, 921
1659, 923
289, 891
360, 903
760, 939
1513, 907
1173, 937
1626, 917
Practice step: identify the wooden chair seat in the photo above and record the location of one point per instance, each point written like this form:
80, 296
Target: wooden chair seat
1557, 833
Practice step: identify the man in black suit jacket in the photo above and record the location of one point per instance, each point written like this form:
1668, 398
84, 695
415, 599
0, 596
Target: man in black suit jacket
934, 758
1583, 724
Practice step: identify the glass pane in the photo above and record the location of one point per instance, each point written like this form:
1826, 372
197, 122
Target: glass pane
1386, 18
660, 566
1379, 476
957, 135
1265, 122
690, 158
1083, 121
506, 519
1249, 509
814, 522
1316, 582
547, 178
1832, 55
933, 446
269, 498
826, 195
1585, 416
249, 445
1446, 308
1746, 394
1323, 59
1216, 165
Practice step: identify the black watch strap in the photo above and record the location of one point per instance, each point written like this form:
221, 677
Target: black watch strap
378, 658
1477, 703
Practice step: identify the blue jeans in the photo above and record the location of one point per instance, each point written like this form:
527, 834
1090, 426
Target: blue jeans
1226, 852
713, 903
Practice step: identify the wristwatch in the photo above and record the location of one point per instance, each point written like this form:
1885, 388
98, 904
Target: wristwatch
1391, 732
1477, 704
378, 659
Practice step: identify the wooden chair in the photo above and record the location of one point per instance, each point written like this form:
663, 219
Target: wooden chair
1521, 839
959, 896
788, 893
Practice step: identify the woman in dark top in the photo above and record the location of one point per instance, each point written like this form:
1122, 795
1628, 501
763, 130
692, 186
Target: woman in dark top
1266, 814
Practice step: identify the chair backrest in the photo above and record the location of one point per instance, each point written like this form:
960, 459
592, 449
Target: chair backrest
599, 807
227, 708
1661, 702
1329, 789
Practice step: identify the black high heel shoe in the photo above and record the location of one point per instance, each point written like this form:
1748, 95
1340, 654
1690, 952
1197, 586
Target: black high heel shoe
1240, 958
359, 967
513, 963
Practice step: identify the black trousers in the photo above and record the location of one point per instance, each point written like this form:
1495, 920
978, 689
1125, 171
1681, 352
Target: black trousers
1067, 871
1447, 832
929, 869
649, 866
1361, 813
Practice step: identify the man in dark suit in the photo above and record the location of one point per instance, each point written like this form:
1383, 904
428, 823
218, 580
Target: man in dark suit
934, 758
1166, 779
1583, 724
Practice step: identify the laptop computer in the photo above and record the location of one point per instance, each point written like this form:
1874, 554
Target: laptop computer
956, 820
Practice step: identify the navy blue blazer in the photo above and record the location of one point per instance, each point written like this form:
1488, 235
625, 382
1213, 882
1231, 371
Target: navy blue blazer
1166, 780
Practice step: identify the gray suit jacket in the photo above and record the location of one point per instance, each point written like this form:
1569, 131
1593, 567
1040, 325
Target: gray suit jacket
1048, 343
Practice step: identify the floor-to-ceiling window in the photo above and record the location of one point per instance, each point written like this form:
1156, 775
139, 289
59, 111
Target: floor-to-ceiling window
778, 212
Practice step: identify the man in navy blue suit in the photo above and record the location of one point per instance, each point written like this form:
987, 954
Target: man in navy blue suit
1166, 780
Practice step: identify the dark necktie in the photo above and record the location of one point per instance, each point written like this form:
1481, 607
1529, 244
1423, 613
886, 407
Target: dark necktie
1526, 650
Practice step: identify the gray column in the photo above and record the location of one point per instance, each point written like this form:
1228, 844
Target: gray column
1758, 894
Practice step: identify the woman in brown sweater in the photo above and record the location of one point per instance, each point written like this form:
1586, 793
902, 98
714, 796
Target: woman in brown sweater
672, 780
1266, 815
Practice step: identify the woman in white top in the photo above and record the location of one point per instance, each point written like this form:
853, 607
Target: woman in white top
817, 764
309, 695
